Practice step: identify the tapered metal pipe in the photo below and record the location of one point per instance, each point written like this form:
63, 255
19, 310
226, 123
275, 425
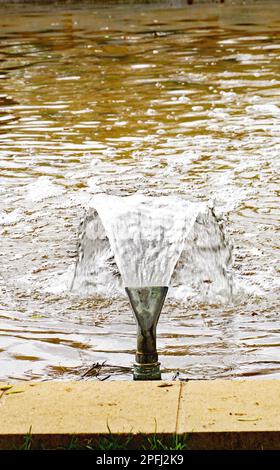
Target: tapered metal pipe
147, 303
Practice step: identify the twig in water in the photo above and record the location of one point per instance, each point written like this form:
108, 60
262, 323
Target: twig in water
94, 370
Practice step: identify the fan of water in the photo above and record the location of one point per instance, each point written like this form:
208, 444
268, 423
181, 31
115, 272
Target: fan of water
141, 241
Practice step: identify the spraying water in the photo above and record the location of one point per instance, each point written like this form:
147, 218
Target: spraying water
141, 241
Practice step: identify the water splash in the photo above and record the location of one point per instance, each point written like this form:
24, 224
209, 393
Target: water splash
144, 241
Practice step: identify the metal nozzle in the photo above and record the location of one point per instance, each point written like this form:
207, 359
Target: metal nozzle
147, 303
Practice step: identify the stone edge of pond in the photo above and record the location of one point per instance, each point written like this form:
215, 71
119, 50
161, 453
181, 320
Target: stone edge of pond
129, 2
216, 414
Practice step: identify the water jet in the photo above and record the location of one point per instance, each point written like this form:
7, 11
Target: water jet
141, 245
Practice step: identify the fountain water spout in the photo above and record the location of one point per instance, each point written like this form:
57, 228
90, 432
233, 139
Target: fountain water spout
147, 303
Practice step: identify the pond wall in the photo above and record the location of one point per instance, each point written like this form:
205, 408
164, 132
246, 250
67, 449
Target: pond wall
113, 2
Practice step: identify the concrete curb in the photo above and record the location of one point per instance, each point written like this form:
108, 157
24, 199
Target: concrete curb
220, 414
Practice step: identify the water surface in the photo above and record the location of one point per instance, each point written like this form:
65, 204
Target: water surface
177, 101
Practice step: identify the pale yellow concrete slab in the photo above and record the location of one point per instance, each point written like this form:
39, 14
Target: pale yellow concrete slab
90, 408
225, 406
206, 414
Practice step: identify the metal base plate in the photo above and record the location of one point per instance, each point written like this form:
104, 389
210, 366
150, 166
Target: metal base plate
146, 371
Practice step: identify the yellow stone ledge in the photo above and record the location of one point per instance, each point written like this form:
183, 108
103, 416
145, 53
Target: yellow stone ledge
218, 414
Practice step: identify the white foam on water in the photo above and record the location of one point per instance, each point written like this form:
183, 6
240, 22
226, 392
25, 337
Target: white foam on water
43, 188
61, 283
264, 109
11, 218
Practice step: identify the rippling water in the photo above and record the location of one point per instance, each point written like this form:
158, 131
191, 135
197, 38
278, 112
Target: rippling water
181, 101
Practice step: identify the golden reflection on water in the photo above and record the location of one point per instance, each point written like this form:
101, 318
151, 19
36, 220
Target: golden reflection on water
123, 99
